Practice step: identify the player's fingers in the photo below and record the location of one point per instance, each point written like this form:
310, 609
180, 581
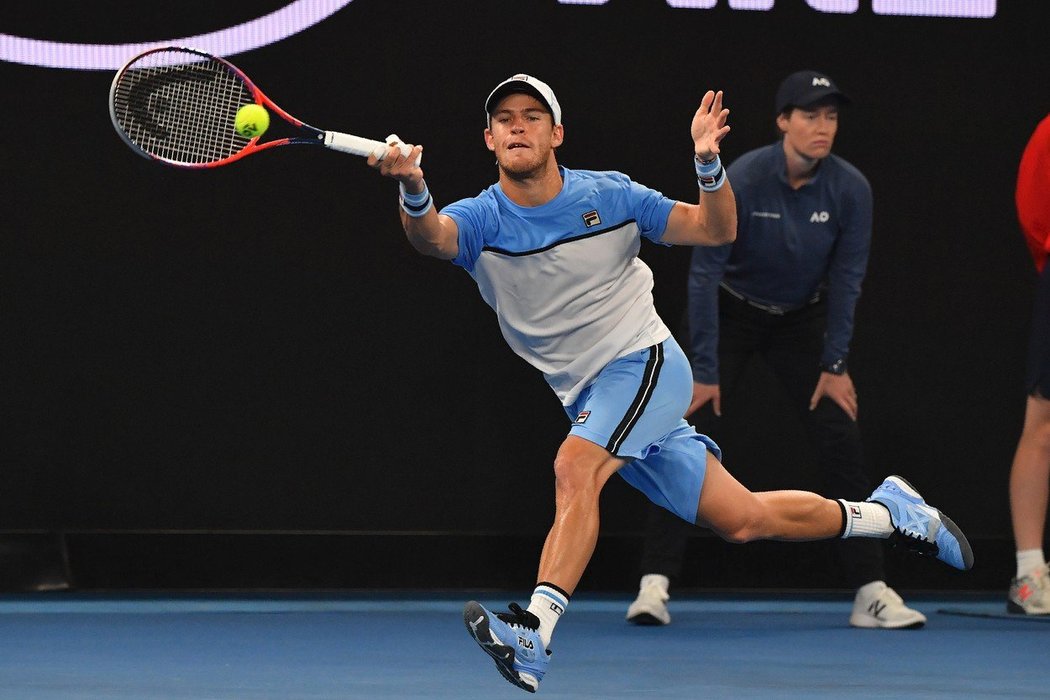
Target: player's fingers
705, 102
716, 404
716, 104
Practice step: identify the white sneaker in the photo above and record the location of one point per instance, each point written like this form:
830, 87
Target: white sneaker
650, 607
1030, 595
877, 606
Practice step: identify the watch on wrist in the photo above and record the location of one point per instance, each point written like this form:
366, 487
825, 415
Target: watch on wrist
836, 367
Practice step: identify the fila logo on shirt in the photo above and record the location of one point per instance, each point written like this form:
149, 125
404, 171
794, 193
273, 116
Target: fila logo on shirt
582, 418
819, 217
823, 82
591, 218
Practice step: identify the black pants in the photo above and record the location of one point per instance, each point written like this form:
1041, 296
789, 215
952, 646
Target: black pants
791, 344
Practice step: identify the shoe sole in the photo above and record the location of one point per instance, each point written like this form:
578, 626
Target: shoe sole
948, 524
863, 624
476, 620
646, 620
1015, 609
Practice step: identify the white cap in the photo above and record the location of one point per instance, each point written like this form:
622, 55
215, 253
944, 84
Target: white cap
528, 85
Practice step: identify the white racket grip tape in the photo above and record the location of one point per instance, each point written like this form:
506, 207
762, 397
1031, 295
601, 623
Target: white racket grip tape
354, 144
364, 147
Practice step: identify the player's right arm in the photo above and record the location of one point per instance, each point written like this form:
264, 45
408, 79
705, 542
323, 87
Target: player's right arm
429, 232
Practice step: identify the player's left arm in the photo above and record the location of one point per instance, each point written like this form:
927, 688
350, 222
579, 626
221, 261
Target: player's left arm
713, 220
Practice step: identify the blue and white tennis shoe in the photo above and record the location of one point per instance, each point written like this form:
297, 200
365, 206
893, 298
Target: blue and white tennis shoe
512, 640
922, 527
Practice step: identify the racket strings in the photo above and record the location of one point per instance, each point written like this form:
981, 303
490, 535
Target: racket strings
181, 106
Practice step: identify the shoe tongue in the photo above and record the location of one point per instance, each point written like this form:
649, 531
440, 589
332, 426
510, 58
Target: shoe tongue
518, 616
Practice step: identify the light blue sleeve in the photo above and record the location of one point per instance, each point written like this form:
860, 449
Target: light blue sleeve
651, 211
473, 219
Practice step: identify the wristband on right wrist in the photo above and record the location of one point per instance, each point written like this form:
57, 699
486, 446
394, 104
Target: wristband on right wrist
416, 205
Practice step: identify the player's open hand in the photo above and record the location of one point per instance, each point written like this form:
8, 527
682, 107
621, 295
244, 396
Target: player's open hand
403, 167
709, 125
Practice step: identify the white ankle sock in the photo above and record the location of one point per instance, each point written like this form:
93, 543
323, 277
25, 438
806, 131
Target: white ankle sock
1028, 560
866, 519
547, 604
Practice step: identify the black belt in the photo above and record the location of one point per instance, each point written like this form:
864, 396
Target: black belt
773, 309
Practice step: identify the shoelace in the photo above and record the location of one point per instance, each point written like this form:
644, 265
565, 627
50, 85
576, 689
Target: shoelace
914, 542
519, 617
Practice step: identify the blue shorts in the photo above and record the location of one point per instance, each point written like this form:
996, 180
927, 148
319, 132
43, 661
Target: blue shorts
635, 409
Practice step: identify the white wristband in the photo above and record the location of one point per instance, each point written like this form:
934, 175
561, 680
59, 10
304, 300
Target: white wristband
416, 205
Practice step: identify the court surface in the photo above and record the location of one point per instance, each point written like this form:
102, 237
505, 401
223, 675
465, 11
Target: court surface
290, 647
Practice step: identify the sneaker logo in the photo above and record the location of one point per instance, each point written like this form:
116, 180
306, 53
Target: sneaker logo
525, 643
876, 608
1025, 592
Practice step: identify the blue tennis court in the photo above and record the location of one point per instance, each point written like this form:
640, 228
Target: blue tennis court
88, 647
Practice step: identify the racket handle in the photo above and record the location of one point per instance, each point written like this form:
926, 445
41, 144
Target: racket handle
364, 147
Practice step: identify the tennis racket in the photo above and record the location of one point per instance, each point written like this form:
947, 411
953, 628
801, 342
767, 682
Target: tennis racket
177, 106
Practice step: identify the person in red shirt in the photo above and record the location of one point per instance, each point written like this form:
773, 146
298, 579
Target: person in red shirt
1030, 473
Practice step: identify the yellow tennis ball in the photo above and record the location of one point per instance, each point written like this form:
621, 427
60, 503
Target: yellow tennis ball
252, 120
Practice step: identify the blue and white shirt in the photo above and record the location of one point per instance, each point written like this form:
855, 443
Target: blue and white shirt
564, 277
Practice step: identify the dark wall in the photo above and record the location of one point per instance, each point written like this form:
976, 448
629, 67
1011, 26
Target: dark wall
258, 348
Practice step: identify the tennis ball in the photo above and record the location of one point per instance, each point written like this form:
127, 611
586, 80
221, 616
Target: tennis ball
252, 120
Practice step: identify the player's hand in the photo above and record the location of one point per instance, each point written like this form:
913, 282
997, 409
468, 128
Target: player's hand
403, 168
702, 393
839, 388
709, 125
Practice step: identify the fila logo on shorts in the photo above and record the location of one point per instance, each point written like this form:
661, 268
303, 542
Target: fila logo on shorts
819, 217
823, 82
591, 218
582, 418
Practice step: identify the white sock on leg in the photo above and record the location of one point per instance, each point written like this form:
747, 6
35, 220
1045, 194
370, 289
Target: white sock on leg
866, 519
1028, 560
548, 604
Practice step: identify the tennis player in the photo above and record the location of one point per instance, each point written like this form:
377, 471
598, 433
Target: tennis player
554, 251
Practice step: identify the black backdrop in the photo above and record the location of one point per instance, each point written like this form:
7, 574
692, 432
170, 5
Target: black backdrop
257, 349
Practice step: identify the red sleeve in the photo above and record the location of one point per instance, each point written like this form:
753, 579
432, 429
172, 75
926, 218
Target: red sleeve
1033, 193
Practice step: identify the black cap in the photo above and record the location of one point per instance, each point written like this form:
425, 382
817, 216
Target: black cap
807, 87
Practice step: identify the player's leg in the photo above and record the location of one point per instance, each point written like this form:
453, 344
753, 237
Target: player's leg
739, 515
519, 640
581, 470
895, 509
616, 418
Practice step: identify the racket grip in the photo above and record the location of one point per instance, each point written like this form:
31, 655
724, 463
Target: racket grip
364, 147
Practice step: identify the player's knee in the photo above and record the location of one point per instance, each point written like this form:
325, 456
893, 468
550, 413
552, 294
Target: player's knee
580, 472
741, 533
574, 476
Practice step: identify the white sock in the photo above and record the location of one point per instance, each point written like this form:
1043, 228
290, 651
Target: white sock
548, 603
1028, 560
866, 519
